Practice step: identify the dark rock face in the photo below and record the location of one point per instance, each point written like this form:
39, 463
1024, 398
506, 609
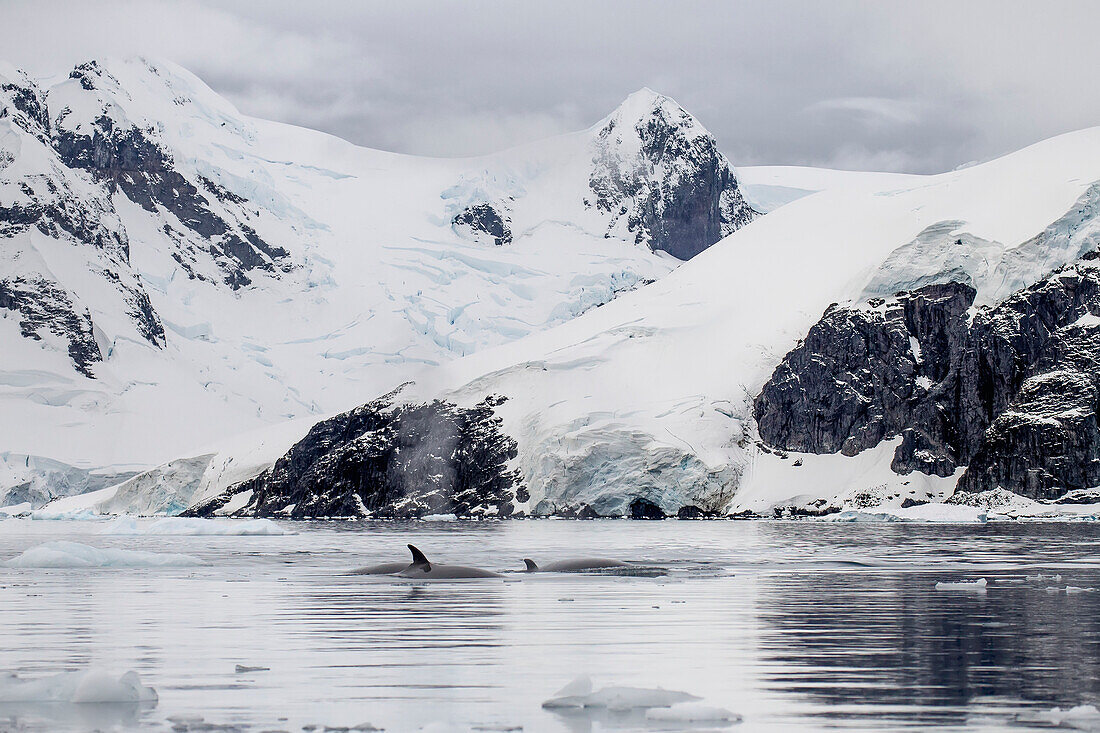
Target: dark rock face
484, 219
58, 203
127, 160
1047, 440
42, 306
1012, 393
854, 380
391, 460
680, 194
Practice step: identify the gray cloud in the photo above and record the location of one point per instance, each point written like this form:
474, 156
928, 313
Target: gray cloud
920, 87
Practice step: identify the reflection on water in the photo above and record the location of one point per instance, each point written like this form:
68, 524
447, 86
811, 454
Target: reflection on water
797, 626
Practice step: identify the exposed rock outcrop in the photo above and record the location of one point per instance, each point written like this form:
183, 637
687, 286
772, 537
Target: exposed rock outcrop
44, 308
658, 173
484, 220
1010, 391
385, 459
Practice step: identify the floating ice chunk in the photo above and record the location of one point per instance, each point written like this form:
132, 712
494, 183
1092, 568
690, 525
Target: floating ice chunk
977, 586
90, 686
241, 669
1071, 589
580, 686
692, 712
194, 526
1086, 717
619, 698
61, 554
439, 518
1040, 578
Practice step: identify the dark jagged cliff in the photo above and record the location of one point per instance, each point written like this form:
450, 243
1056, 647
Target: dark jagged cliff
385, 459
1009, 391
657, 171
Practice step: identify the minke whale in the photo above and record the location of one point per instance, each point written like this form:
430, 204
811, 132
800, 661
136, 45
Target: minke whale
574, 565
422, 569
386, 568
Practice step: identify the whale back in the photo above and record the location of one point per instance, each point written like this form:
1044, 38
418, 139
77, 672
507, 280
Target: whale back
386, 568
580, 564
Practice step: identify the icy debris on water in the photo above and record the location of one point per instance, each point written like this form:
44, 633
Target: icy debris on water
128, 526
198, 724
1040, 578
975, 586
61, 554
88, 686
243, 668
1069, 589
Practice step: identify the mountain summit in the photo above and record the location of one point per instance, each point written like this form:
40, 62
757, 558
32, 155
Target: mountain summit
658, 174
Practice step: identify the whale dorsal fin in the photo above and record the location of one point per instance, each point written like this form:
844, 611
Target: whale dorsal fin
419, 560
531, 566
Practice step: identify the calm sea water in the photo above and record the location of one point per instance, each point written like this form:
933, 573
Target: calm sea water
796, 626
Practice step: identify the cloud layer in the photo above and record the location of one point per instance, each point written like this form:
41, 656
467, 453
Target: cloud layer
919, 87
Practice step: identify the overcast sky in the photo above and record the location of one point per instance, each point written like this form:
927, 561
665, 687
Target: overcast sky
902, 86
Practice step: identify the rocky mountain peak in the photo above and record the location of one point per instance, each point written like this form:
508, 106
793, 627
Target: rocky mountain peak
658, 174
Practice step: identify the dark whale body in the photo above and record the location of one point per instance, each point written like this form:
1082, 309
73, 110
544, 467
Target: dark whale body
422, 569
574, 565
386, 568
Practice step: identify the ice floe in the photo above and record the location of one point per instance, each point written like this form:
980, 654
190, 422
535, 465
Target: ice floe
61, 554
128, 526
88, 686
976, 586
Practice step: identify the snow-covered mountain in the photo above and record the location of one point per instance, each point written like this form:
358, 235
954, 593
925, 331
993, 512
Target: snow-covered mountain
880, 343
173, 273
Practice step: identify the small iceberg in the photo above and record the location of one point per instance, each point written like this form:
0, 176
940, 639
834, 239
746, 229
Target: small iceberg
187, 526
579, 694
60, 554
976, 586
89, 686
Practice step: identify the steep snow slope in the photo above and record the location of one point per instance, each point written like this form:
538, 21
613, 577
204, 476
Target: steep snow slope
173, 272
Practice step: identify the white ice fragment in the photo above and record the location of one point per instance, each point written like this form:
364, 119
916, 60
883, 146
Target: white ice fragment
1079, 716
89, 686
439, 517
621, 698
242, 669
194, 527
977, 586
61, 554
1040, 578
692, 712
580, 686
